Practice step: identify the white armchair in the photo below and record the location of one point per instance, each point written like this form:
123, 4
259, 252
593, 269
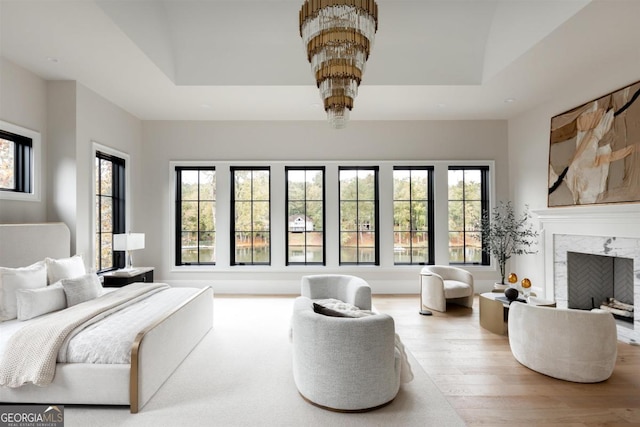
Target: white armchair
344, 364
572, 345
349, 289
441, 283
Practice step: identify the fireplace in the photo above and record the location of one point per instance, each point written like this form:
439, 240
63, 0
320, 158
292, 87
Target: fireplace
601, 281
589, 269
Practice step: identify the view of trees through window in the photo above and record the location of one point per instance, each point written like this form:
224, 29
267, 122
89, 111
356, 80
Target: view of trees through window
304, 219
358, 215
412, 215
251, 216
196, 211
467, 199
16, 162
7, 164
305, 215
110, 205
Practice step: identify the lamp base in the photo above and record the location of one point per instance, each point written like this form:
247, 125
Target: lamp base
426, 312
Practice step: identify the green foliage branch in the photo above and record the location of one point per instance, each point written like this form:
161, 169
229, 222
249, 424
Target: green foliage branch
505, 234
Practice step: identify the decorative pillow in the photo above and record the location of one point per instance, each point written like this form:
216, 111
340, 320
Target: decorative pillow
13, 279
36, 302
81, 289
65, 268
321, 309
343, 309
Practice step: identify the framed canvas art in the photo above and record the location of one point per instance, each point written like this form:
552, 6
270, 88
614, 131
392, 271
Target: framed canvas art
594, 151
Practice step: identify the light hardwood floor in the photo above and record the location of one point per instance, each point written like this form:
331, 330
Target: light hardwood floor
476, 371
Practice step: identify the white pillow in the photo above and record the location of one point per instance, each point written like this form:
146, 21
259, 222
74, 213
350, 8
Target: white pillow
36, 302
81, 289
13, 279
65, 268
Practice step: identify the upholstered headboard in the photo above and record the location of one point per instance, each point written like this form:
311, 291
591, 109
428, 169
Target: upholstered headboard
24, 244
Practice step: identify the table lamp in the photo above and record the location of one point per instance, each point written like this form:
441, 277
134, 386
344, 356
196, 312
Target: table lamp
128, 242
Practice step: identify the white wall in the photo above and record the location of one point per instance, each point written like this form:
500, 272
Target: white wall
23, 102
166, 141
78, 117
100, 121
70, 118
61, 159
529, 159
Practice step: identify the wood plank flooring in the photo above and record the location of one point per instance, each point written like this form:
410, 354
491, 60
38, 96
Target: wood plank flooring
476, 371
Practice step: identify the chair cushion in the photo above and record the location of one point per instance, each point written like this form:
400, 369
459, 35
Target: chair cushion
456, 289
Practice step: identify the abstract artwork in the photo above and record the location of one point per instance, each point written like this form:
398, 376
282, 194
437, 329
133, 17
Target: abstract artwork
594, 151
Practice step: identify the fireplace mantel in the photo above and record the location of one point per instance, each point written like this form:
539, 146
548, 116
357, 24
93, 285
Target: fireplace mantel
602, 221
626, 213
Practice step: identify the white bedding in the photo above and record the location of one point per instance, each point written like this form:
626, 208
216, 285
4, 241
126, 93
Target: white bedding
108, 341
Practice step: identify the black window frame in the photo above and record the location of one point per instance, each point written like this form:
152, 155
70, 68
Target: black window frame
178, 215
232, 228
118, 207
430, 215
484, 209
23, 162
324, 210
376, 170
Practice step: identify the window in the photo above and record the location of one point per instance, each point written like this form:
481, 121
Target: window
195, 215
359, 215
110, 210
468, 199
413, 215
16, 160
250, 216
305, 215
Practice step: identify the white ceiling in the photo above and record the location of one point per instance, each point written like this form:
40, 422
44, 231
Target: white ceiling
244, 60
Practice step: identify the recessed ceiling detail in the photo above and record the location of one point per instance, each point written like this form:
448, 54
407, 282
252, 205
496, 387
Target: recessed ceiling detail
158, 59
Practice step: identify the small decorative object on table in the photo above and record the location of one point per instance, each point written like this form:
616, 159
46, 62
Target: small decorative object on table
526, 287
511, 294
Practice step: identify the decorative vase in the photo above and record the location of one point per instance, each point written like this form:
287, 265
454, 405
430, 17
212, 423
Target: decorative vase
511, 294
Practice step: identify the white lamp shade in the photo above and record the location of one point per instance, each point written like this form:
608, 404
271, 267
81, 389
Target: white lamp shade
128, 242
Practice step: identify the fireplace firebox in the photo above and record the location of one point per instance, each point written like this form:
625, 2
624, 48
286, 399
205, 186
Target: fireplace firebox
601, 281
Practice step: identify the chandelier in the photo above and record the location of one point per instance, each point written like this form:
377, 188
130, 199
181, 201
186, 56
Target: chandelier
338, 35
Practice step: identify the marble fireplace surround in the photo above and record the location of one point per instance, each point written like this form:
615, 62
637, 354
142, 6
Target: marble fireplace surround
598, 245
608, 231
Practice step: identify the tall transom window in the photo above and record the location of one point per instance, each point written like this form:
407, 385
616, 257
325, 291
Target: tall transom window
359, 239
195, 215
110, 209
250, 216
468, 199
305, 215
413, 215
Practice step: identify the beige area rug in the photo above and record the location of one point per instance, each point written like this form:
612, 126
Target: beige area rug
240, 375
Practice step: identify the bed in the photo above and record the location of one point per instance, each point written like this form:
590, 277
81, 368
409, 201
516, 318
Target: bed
158, 349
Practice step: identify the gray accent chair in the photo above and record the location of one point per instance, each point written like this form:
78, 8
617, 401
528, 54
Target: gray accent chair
349, 289
571, 345
344, 364
440, 284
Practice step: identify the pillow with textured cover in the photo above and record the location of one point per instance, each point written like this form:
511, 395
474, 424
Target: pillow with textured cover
81, 289
13, 279
337, 308
320, 309
36, 302
64, 268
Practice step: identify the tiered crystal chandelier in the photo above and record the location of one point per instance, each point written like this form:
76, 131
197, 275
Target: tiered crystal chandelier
338, 36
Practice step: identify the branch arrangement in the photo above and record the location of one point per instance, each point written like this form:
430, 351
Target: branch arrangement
504, 234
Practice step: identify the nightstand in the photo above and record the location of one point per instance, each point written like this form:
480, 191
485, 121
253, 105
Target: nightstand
119, 278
